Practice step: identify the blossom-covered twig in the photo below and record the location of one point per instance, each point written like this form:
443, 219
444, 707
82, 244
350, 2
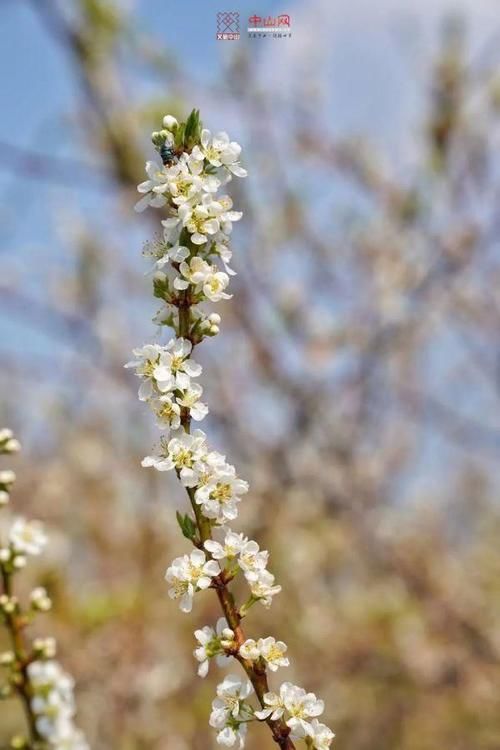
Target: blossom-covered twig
191, 264
45, 690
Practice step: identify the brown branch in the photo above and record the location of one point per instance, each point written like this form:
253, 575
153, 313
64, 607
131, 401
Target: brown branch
256, 675
15, 623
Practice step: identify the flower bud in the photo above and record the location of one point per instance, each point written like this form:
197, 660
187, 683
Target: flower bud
214, 319
160, 137
4, 497
170, 122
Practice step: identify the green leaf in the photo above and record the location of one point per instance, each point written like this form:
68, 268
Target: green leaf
161, 288
187, 525
192, 131
179, 136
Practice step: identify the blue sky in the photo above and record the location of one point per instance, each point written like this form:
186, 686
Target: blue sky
368, 56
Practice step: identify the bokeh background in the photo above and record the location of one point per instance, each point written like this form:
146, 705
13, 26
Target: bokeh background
356, 382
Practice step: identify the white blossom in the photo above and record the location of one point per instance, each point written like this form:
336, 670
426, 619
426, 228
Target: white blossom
230, 548
181, 452
213, 643
201, 220
157, 177
167, 411
321, 735
161, 251
190, 399
193, 272
268, 649
230, 701
145, 363
220, 495
263, 587
220, 151
214, 285
233, 736
295, 706
175, 369
204, 469
252, 560
206, 279
183, 181
188, 574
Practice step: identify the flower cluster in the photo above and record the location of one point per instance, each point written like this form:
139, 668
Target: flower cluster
216, 487
26, 538
166, 373
240, 553
194, 246
39, 680
300, 710
231, 712
53, 705
191, 269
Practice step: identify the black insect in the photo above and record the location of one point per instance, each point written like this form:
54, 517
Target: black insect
168, 154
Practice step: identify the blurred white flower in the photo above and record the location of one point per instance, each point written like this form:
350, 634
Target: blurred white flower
53, 705
40, 600
27, 537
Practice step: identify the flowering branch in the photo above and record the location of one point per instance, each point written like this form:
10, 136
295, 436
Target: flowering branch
45, 690
191, 264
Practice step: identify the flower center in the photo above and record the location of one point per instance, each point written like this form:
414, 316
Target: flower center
222, 493
184, 458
